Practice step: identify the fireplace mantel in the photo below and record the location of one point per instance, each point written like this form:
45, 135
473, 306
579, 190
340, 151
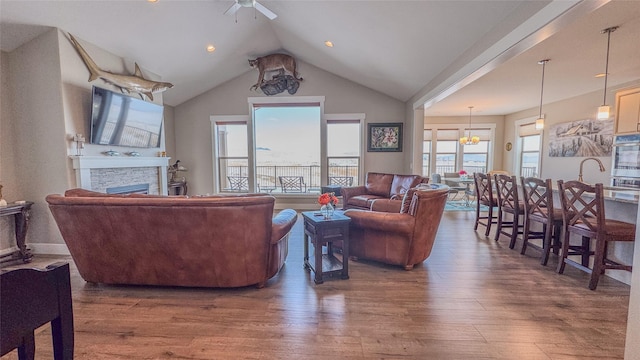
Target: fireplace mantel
84, 164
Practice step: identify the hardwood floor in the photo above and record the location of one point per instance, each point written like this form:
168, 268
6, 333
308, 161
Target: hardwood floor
474, 298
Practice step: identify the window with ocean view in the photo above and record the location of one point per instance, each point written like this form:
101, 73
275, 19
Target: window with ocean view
287, 149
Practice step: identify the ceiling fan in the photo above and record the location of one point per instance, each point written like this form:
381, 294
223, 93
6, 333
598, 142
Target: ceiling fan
250, 3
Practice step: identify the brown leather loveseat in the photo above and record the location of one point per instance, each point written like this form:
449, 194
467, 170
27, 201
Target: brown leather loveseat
215, 241
402, 238
380, 187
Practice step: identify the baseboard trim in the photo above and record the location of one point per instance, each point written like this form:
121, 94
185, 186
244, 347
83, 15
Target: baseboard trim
48, 249
8, 250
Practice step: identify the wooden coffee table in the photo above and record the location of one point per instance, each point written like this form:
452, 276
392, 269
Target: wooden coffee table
320, 231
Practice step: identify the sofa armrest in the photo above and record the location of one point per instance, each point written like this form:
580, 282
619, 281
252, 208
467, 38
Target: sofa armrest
348, 192
282, 223
381, 221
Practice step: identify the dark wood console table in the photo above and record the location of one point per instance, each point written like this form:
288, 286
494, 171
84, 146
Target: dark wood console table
21, 213
319, 231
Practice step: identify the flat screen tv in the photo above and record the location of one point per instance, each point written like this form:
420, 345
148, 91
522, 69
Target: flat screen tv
121, 120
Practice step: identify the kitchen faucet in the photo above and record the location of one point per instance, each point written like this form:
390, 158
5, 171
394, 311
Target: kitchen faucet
582, 162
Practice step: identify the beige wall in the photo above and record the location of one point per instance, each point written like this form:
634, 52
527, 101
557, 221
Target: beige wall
193, 126
37, 118
77, 93
169, 132
7, 147
45, 83
577, 108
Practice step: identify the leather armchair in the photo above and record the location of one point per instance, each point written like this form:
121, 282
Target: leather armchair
402, 238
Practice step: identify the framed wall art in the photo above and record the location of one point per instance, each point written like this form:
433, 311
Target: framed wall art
581, 138
384, 137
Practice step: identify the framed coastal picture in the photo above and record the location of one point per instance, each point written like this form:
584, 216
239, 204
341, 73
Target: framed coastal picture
581, 138
384, 137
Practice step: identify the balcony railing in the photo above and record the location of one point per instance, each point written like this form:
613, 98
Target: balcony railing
527, 171
267, 175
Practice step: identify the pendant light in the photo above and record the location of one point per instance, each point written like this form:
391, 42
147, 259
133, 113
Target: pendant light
603, 111
540, 120
469, 140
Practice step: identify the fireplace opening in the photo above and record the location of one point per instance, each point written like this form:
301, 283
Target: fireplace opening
129, 189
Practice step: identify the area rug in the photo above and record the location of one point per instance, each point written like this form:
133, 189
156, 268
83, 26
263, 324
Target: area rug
461, 205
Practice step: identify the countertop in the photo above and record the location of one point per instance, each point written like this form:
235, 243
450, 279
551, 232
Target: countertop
627, 196
622, 195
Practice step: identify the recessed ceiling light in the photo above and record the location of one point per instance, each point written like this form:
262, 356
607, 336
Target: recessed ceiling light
211, 48
600, 75
152, 1
328, 43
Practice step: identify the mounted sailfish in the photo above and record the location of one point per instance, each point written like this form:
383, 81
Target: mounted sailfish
126, 83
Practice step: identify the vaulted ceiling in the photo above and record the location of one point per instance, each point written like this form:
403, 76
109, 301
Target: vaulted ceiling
405, 49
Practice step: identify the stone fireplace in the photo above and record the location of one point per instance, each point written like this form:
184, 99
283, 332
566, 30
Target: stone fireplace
129, 189
99, 173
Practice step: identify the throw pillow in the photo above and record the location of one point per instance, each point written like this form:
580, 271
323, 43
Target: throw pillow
406, 200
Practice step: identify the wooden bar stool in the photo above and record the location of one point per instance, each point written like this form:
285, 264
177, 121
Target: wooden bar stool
508, 202
484, 196
585, 216
538, 207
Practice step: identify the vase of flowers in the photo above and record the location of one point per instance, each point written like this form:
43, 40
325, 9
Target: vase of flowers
328, 202
463, 174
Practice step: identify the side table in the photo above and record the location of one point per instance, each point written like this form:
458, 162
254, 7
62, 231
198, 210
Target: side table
177, 188
21, 213
320, 231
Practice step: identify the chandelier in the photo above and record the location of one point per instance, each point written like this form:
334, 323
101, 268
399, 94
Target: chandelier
469, 140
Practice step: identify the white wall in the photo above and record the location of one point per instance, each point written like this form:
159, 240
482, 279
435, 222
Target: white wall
193, 126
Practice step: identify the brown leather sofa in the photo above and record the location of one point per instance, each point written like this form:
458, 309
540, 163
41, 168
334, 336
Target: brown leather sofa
402, 238
214, 241
381, 187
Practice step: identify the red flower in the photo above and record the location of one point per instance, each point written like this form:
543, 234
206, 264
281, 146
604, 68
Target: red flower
462, 172
328, 198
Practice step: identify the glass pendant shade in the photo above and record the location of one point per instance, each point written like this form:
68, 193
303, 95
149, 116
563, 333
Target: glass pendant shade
603, 112
475, 139
464, 140
540, 123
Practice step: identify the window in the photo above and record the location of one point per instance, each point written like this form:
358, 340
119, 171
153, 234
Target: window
530, 146
443, 153
426, 153
287, 147
530, 157
232, 155
475, 158
287, 143
446, 150
343, 152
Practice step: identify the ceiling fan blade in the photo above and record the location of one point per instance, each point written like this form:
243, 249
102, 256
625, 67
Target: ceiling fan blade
233, 9
266, 12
